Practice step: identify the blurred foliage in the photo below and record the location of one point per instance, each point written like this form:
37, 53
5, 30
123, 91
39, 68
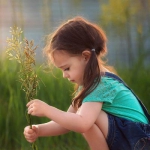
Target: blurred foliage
56, 92
118, 12
128, 22
23, 51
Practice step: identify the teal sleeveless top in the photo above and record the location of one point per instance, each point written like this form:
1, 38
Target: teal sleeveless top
117, 100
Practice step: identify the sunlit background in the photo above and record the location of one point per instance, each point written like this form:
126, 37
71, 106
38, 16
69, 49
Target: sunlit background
127, 26
126, 23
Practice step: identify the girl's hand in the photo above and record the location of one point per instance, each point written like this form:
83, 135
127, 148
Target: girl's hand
31, 134
37, 108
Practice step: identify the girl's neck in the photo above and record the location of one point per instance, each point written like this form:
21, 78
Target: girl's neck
103, 69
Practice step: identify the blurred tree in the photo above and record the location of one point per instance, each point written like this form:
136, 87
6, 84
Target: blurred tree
143, 32
46, 12
118, 15
128, 20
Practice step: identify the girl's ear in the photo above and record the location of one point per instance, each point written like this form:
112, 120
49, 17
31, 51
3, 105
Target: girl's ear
86, 55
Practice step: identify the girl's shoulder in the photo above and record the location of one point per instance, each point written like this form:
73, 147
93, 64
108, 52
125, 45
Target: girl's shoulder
106, 90
111, 81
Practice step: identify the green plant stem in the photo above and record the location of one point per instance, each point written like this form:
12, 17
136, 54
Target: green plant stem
24, 52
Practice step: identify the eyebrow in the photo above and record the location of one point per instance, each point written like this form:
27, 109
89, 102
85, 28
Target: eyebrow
62, 66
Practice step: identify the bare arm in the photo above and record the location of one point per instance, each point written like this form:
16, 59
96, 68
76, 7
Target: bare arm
78, 122
47, 129
52, 128
81, 121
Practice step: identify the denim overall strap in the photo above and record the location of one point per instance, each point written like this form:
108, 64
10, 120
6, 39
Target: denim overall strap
108, 74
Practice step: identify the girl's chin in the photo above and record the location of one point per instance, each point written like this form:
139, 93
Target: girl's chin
73, 81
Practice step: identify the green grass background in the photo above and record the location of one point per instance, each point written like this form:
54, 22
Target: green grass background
57, 92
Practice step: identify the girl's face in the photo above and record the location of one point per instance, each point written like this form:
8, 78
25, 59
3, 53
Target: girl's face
72, 66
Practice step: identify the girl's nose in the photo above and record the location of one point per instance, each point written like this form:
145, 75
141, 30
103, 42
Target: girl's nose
65, 75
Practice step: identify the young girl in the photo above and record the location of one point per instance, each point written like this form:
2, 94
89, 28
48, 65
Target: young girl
104, 110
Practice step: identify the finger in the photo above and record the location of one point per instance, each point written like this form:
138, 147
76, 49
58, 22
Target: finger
35, 128
27, 128
30, 111
30, 102
31, 140
30, 137
28, 131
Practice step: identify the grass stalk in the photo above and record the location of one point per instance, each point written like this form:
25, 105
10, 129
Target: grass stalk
23, 52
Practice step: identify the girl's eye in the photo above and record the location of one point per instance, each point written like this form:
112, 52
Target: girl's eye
66, 69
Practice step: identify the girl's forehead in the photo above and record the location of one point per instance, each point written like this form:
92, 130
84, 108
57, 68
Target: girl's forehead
57, 54
59, 57
60, 52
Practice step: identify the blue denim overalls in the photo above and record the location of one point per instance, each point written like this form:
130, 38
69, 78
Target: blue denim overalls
124, 134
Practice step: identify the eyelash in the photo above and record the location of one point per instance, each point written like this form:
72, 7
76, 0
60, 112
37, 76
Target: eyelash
66, 69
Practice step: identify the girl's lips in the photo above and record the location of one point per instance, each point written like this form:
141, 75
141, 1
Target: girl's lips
72, 80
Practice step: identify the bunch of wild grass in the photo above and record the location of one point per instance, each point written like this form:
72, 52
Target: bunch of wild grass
23, 52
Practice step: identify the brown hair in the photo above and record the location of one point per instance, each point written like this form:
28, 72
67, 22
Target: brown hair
75, 36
